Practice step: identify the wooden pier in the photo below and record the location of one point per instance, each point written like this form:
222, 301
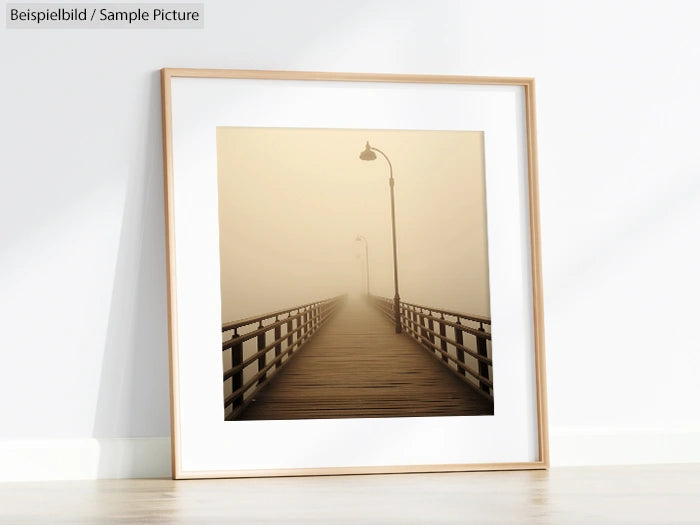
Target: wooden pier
357, 366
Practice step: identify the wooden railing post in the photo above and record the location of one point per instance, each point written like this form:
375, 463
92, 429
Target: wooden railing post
237, 377
298, 329
306, 326
459, 339
431, 337
423, 331
290, 337
278, 346
414, 316
483, 367
262, 359
443, 343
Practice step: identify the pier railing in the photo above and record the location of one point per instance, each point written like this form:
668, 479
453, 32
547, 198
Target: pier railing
462, 342
276, 337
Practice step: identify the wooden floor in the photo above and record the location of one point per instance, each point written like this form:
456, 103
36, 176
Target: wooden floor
632, 495
357, 366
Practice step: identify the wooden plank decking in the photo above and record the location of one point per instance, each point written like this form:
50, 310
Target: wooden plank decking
356, 366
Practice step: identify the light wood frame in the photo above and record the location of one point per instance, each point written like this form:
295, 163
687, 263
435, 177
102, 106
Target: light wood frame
528, 86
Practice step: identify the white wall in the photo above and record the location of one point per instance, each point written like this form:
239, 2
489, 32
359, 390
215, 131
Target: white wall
82, 269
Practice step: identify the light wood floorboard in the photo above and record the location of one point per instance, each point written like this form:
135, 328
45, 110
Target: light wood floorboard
600, 495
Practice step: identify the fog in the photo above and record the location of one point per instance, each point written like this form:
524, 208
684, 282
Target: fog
293, 201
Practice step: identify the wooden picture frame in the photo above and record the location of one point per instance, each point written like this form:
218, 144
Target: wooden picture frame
199, 105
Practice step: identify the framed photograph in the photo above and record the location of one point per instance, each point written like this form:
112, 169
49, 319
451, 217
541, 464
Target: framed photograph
354, 280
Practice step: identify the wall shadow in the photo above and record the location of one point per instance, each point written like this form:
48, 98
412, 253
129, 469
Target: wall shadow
133, 398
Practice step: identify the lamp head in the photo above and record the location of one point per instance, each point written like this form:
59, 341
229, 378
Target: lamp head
368, 154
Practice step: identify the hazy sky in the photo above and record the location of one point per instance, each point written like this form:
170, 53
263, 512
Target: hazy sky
292, 201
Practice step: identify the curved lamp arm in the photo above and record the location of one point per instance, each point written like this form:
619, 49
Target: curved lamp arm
391, 168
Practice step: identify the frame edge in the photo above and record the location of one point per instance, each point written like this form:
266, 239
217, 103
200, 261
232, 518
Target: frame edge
268, 74
528, 84
367, 470
168, 201
536, 273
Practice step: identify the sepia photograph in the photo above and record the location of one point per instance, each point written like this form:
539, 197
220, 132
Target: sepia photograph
354, 273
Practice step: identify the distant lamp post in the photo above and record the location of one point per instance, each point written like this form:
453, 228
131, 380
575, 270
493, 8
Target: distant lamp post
361, 238
369, 154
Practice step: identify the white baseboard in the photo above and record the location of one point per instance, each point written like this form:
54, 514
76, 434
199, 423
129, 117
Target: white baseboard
70, 459
581, 447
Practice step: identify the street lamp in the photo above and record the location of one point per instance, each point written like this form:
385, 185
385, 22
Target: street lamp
369, 154
361, 238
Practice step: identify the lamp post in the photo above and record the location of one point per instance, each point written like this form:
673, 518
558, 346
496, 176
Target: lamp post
369, 154
361, 238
